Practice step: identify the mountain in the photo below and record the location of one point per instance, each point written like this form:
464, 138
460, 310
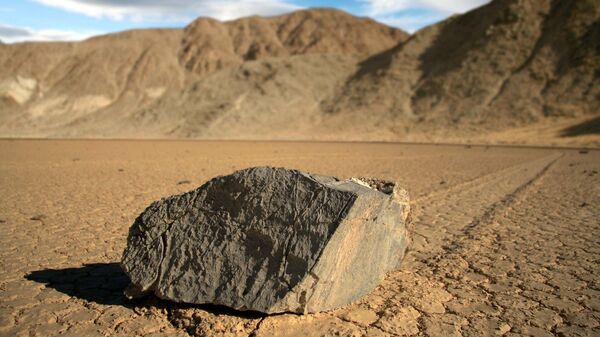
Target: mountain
506, 64
318, 74
46, 87
210, 45
104, 86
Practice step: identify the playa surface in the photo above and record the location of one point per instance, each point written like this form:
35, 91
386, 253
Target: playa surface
505, 239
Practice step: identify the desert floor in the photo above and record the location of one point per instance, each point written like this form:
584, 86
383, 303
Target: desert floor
506, 240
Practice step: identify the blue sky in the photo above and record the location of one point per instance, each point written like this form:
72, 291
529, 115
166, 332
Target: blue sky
22, 20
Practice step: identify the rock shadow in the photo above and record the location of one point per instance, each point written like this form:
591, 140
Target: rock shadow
589, 127
102, 283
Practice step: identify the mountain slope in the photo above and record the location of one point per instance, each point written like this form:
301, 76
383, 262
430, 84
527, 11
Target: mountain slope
50, 85
92, 87
505, 64
318, 74
209, 44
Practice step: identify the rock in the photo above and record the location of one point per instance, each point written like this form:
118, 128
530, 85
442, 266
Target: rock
270, 240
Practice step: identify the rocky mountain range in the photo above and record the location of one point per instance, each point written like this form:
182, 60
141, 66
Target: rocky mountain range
520, 71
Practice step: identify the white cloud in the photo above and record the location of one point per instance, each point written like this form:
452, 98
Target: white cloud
411, 22
174, 10
408, 15
385, 7
10, 34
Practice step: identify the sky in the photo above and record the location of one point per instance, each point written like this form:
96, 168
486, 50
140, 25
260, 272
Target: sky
49, 20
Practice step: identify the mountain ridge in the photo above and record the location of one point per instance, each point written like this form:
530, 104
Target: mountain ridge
314, 74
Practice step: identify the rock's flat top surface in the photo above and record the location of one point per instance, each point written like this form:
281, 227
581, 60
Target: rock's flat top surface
251, 240
506, 238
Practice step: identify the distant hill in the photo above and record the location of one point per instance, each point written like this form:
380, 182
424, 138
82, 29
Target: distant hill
319, 74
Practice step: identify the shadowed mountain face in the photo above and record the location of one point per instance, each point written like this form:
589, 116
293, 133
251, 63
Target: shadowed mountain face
505, 64
313, 74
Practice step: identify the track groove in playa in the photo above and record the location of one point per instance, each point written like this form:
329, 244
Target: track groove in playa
505, 240
466, 236
457, 234
497, 208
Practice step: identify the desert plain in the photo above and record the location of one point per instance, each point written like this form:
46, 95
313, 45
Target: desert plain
505, 239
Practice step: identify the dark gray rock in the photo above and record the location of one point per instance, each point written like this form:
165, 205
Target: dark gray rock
270, 240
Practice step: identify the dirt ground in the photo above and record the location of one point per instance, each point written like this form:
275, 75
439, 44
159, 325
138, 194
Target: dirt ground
505, 239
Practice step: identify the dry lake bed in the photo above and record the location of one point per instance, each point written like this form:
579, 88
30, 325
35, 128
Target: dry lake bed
505, 239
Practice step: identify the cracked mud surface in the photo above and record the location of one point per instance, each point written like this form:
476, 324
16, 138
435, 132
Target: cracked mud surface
505, 239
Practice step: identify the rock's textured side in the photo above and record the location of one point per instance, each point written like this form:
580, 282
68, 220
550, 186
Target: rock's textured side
270, 240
